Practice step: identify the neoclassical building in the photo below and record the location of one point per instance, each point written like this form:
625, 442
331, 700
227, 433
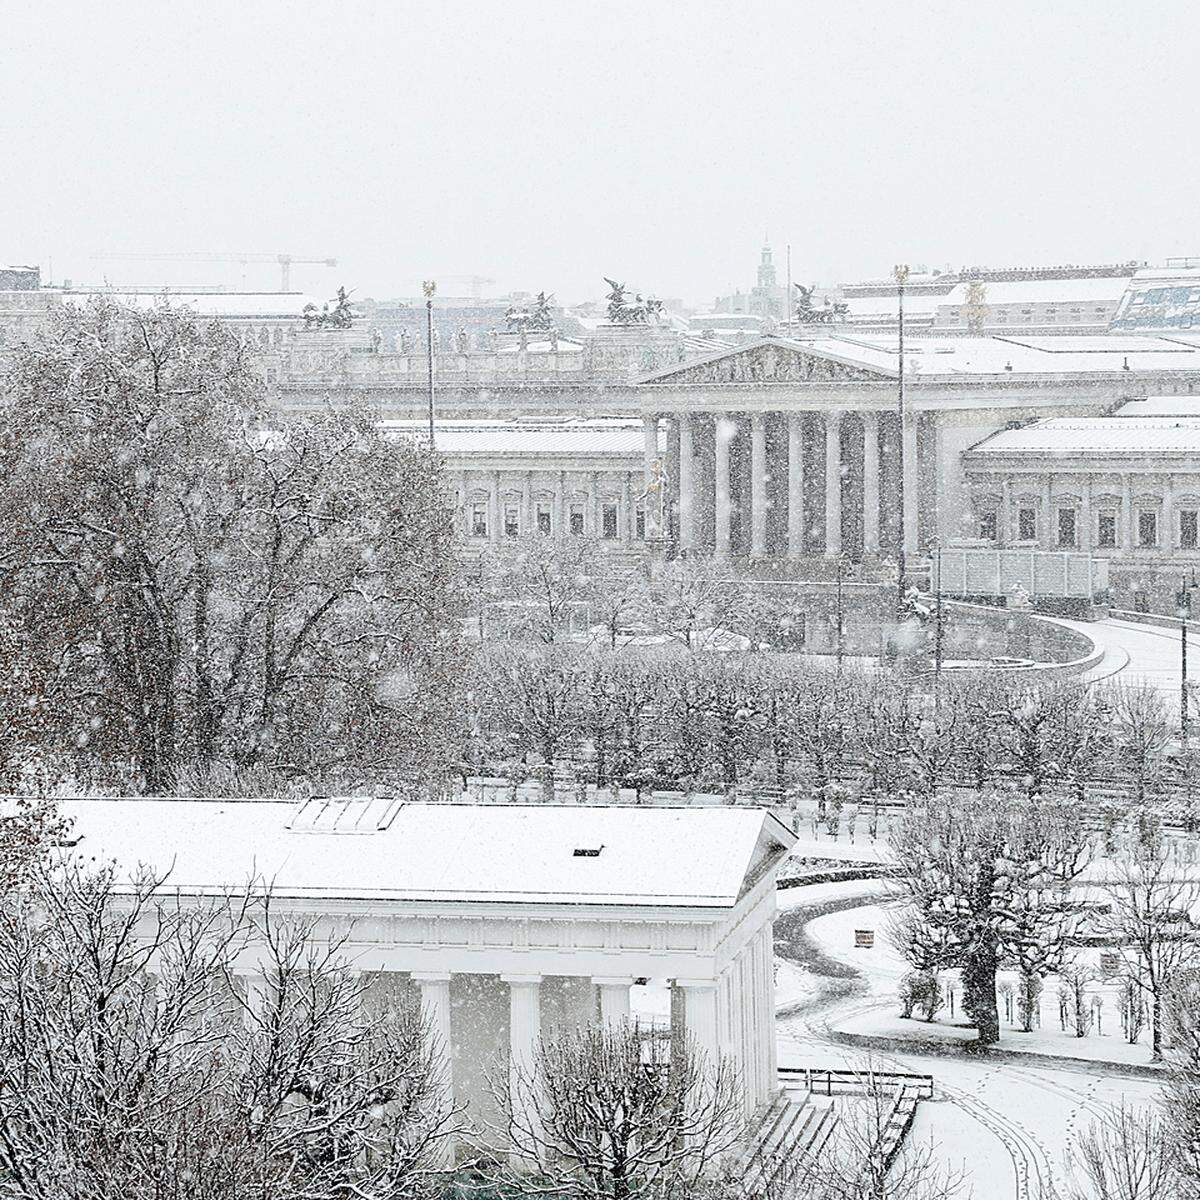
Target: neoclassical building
789, 448
505, 922
1124, 488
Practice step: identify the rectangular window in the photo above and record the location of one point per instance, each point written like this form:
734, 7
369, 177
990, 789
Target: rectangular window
479, 520
1066, 528
512, 520
543, 519
1106, 531
609, 515
1147, 528
1188, 529
1027, 525
639, 522
987, 525
577, 526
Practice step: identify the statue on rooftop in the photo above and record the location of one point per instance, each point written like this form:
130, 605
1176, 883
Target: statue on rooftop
807, 313
622, 311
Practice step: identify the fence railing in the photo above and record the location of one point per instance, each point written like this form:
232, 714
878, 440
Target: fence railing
825, 1080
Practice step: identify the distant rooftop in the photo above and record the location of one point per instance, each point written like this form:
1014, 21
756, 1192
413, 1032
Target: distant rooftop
1156, 436
206, 304
598, 436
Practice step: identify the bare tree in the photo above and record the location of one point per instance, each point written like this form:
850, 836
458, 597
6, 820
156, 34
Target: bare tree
134, 1062
1150, 899
610, 1114
1125, 1155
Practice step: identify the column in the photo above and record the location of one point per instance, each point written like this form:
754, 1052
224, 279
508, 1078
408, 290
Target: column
912, 475
496, 518
1005, 517
464, 521
524, 1035
700, 1018
1049, 540
758, 485
795, 485
870, 422
614, 998
1168, 534
833, 484
1086, 536
558, 519
768, 984
628, 522
725, 432
435, 1005
1130, 538
687, 484
593, 526
649, 448
527, 521
257, 996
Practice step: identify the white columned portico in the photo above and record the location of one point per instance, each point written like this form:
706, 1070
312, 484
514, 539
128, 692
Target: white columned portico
870, 422
758, 485
725, 430
435, 1005
833, 484
614, 998
795, 484
687, 483
911, 485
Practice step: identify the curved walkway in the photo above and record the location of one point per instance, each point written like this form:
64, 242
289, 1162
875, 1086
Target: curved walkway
1008, 1124
1142, 655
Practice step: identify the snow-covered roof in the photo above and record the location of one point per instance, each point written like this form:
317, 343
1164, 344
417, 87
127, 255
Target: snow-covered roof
525, 854
1099, 290
916, 304
597, 436
209, 304
1098, 435
1160, 406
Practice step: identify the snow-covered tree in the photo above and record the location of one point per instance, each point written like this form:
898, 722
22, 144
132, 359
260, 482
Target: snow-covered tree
987, 873
211, 583
134, 1062
610, 1114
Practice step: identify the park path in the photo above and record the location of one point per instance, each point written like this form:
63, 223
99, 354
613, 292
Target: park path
1008, 1126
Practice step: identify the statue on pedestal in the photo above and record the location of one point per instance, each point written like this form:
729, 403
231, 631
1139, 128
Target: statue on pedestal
460, 341
622, 311
655, 498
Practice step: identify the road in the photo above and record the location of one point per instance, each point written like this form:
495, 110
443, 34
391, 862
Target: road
1141, 655
1007, 1126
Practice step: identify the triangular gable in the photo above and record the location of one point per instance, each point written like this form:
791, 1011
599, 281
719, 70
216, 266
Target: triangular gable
774, 842
772, 360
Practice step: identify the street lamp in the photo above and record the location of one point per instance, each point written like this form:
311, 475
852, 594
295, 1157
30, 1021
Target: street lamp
1185, 615
900, 272
840, 649
937, 612
429, 287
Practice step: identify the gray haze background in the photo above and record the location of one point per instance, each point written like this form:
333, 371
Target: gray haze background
544, 144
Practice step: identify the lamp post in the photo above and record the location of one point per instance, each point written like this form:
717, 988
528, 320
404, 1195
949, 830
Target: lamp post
900, 271
429, 287
1185, 615
840, 649
937, 612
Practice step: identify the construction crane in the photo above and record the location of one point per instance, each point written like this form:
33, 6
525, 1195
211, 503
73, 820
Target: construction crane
284, 260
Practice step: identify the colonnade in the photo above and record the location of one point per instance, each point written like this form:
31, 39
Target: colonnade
730, 1017
787, 484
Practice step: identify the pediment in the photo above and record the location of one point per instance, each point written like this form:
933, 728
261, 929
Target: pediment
770, 361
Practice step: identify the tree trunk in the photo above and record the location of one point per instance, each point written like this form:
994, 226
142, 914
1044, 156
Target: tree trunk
979, 994
1156, 1038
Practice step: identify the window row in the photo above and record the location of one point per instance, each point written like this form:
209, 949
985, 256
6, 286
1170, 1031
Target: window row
1106, 531
577, 520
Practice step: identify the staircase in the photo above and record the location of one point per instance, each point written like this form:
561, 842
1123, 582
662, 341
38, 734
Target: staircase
795, 1127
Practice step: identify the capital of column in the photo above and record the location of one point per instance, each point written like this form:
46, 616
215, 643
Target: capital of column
430, 976
613, 980
519, 979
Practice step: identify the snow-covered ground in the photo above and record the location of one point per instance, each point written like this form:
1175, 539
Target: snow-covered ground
1142, 655
1011, 1124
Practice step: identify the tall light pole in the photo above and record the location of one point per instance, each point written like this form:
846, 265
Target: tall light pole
900, 271
430, 287
1185, 615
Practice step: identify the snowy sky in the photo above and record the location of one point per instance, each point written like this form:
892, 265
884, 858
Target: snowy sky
546, 144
